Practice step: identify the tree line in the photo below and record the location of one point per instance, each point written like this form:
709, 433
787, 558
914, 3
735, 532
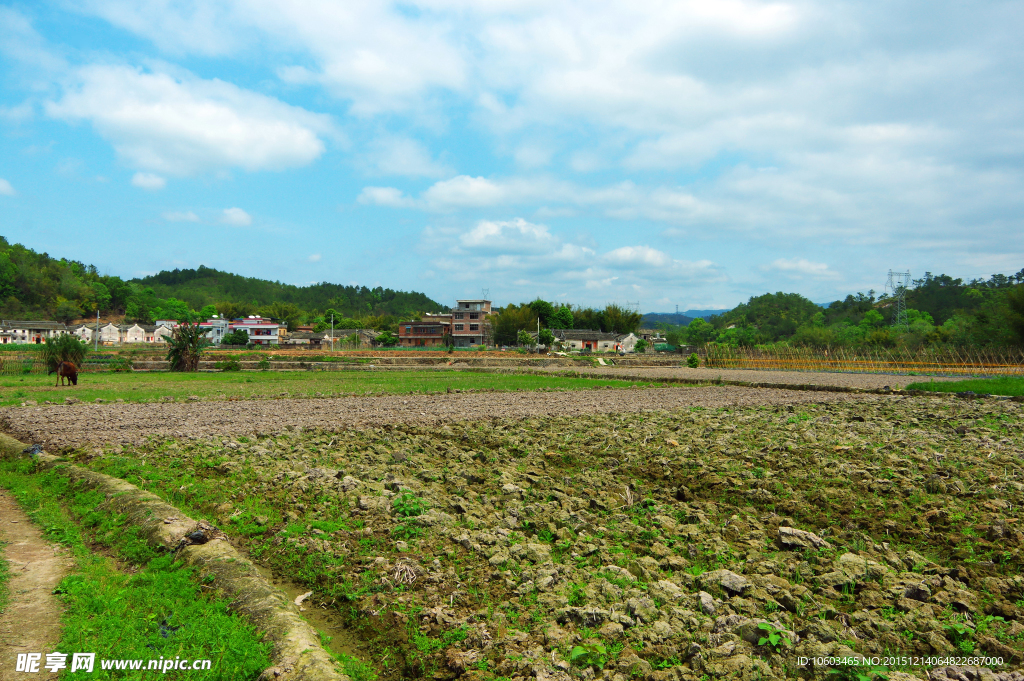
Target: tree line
37, 286
940, 310
512, 319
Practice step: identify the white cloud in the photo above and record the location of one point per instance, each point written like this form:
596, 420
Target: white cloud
148, 181
378, 56
314, 258
184, 125
180, 216
512, 236
385, 196
236, 217
802, 266
6, 189
638, 256
530, 258
404, 157
624, 200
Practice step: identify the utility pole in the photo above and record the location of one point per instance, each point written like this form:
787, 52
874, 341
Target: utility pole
332, 333
96, 340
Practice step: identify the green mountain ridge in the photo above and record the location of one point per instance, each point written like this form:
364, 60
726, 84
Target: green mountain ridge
36, 285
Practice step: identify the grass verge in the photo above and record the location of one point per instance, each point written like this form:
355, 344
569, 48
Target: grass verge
993, 386
5, 576
156, 608
151, 387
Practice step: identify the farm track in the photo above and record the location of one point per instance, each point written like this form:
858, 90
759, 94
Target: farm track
795, 378
64, 426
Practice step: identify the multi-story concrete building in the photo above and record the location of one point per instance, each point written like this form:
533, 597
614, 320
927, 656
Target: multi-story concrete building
470, 325
467, 323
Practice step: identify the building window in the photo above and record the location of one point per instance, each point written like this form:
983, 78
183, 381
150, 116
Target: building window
474, 327
458, 327
458, 315
474, 315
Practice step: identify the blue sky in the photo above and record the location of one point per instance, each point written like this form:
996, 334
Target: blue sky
672, 153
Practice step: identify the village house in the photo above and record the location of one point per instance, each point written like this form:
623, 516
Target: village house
366, 337
29, 332
215, 327
140, 333
470, 325
423, 333
595, 341
84, 332
261, 330
306, 339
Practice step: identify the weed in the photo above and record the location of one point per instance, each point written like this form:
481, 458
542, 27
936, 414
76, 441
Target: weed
773, 637
408, 505
590, 654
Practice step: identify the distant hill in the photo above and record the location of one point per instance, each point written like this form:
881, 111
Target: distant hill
207, 286
705, 313
651, 319
678, 318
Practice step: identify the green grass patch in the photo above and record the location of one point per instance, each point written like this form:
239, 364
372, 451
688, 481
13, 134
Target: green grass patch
5, 577
1006, 385
152, 387
160, 609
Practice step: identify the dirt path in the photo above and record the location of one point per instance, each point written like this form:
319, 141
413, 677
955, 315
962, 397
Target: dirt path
796, 378
31, 623
59, 426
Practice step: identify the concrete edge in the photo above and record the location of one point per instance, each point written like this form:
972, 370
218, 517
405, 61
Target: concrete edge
296, 655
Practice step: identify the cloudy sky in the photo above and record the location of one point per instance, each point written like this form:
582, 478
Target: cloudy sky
687, 153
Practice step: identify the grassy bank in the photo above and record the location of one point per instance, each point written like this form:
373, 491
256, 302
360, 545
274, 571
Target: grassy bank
130, 603
5, 577
991, 386
150, 387
635, 543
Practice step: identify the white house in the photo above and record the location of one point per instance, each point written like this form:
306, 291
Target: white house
216, 328
140, 333
595, 341
110, 334
26, 332
262, 331
84, 332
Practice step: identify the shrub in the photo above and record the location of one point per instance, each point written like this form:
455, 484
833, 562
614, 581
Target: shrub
236, 337
693, 361
263, 364
228, 365
63, 348
185, 346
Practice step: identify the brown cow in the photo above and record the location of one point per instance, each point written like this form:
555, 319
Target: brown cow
69, 371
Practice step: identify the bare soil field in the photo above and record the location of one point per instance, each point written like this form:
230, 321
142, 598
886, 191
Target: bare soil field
670, 535
795, 378
62, 426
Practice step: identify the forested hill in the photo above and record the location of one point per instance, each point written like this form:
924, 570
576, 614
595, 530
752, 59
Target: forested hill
206, 286
37, 285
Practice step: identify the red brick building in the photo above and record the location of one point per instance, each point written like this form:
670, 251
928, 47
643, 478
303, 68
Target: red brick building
467, 322
423, 333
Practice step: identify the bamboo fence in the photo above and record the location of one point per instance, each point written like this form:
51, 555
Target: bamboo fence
947, 361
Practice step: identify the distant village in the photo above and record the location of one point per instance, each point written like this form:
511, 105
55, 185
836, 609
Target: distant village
467, 323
